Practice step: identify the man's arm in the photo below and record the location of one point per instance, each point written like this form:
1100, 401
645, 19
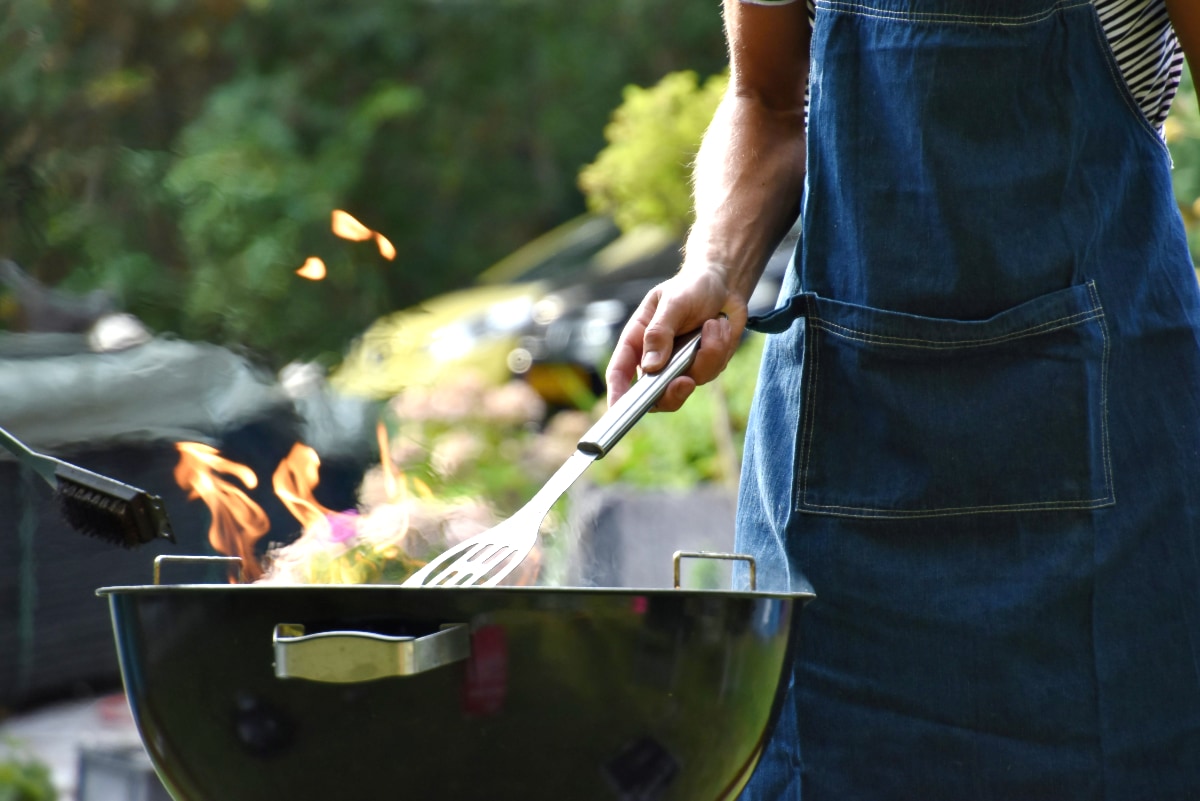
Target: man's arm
1185, 18
750, 169
748, 178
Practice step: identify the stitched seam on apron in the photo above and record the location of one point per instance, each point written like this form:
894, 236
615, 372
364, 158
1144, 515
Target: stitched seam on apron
810, 392
882, 511
862, 10
953, 344
1108, 471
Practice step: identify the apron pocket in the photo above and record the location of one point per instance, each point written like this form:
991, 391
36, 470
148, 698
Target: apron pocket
908, 416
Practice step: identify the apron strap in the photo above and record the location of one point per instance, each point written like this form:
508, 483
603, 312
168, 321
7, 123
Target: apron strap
780, 318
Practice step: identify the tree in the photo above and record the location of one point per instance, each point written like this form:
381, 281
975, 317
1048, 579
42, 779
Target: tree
186, 154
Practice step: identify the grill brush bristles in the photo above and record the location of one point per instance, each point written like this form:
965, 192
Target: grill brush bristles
96, 505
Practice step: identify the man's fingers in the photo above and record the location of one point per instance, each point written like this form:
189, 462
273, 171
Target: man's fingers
677, 392
716, 346
674, 308
628, 355
659, 342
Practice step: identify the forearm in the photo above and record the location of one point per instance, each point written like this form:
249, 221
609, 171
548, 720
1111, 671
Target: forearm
750, 170
1185, 17
748, 181
747, 185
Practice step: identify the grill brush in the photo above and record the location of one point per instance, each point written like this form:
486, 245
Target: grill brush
96, 505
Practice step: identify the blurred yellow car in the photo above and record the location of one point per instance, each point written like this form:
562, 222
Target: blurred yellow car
473, 329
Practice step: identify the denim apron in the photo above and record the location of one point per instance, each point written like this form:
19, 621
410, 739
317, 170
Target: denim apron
977, 429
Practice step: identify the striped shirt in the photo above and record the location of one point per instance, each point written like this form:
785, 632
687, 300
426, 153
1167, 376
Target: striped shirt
1140, 36
1147, 51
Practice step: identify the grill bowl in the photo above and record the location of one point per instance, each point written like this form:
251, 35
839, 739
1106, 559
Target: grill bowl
562, 694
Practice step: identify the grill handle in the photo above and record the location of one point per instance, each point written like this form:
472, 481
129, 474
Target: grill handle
179, 559
350, 657
679, 556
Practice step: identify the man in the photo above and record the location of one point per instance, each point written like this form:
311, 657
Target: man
978, 421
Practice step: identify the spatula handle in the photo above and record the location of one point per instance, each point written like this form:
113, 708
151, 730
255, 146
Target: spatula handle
640, 398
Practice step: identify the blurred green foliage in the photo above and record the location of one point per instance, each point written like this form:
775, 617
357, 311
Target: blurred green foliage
23, 777
643, 175
1183, 138
186, 154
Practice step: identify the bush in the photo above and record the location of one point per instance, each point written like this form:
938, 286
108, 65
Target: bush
24, 778
1182, 131
643, 176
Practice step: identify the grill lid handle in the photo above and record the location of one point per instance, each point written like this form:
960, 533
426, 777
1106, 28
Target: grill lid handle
349, 657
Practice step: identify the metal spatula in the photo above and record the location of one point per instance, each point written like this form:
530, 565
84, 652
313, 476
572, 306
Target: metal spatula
487, 558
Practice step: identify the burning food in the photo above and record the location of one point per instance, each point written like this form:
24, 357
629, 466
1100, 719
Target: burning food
422, 498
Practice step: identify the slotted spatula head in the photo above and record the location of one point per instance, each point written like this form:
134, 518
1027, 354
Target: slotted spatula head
487, 558
483, 560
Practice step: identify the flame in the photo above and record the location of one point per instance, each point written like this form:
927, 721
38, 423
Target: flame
398, 487
237, 521
396, 484
390, 482
347, 227
294, 480
313, 269
386, 248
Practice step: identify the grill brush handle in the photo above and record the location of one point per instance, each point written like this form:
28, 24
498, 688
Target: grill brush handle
640, 398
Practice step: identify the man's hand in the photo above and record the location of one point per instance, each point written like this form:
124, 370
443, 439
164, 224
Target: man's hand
676, 307
747, 182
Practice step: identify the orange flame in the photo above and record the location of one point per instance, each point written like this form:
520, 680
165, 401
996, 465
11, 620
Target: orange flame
313, 269
237, 521
386, 248
391, 484
294, 480
347, 227
396, 484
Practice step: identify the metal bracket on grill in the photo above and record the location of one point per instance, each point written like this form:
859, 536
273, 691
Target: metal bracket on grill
733, 557
164, 558
347, 657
